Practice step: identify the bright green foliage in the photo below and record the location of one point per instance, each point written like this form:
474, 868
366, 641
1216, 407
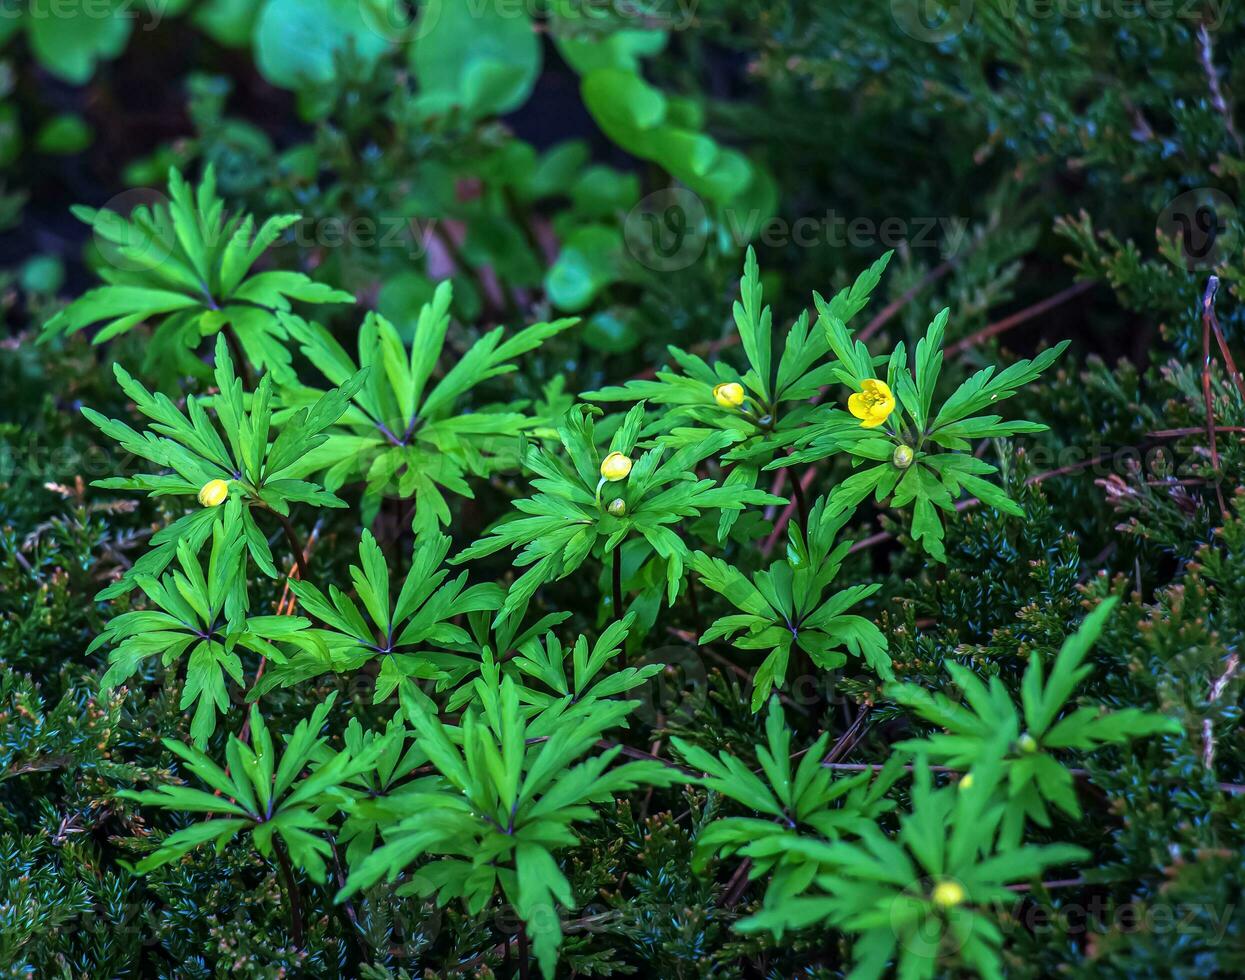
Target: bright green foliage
188, 266
408, 435
922, 896
393, 632
786, 606
202, 617
776, 844
240, 449
929, 480
810, 799
570, 517
539, 667
777, 410
1041, 727
501, 807
276, 799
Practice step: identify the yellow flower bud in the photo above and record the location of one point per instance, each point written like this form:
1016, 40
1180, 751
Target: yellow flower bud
615, 467
947, 894
729, 395
618, 507
1027, 744
967, 781
902, 457
214, 493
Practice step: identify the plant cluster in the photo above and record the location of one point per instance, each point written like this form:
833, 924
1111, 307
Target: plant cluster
423, 552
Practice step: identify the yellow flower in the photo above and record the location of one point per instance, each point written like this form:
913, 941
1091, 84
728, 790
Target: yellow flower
873, 405
615, 467
729, 395
947, 894
214, 493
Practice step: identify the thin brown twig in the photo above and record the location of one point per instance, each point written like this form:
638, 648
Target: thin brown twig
1016, 319
1191, 431
887, 312
1208, 315
1207, 60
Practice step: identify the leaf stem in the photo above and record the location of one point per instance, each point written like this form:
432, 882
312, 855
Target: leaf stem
523, 956
618, 593
291, 538
239, 356
801, 501
291, 893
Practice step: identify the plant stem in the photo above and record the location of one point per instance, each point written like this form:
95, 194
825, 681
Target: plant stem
797, 489
291, 894
618, 594
523, 957
239, 356
291, 538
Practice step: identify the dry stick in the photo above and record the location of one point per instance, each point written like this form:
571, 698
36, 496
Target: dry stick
1206, 58
894, 306
1060, 883
1191, 431
1016, 319
847, 741
1216, 692
1208, 314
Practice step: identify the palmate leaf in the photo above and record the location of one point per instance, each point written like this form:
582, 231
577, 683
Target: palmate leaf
240, 445
503, 805
281, 801
199, 618
567, 520
806, 798
185, 267
915, 457
788, 605
1031, 732
556, 681
407, 433
915, 901
403, 634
